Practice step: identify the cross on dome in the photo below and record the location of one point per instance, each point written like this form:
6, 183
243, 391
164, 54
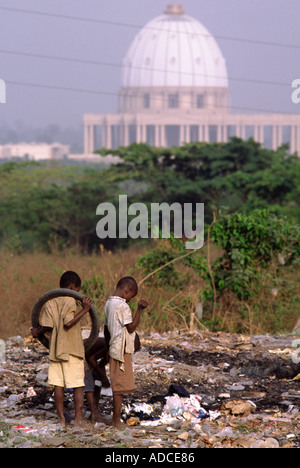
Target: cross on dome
174, 9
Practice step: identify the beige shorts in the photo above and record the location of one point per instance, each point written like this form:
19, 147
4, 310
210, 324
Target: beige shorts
67, 374
122, 382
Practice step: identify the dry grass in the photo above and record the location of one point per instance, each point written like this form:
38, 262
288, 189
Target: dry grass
24, 278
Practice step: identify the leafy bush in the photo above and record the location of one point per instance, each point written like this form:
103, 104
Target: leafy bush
250, 243
169, 276
94, 287
251, 282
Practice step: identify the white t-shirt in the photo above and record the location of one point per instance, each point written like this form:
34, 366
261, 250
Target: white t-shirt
117, 316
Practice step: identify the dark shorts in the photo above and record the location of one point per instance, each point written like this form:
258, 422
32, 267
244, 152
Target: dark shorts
89, 381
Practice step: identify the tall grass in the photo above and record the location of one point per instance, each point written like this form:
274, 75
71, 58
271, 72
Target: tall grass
24, 278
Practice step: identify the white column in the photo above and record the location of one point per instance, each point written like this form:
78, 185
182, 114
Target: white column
279, 135
125, 134
181, 135
219, 133
298, 140
293, 139
108, 136
200, 132
259, 134
157, 136
261, 138
143, 133
274, 137
138, 133
163, 136
86, 139
92, 139
187, 134
256, 136
225, 133
243, 132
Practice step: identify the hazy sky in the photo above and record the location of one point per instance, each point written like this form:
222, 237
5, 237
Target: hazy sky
241, 27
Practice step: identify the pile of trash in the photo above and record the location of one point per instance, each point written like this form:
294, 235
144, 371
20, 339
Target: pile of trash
176, 405
193, 390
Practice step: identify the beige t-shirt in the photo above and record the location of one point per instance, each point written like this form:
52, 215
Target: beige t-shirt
117, 316
55, 314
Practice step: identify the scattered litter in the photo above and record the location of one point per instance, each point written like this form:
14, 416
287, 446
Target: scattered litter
106, 391
169, 409
239, 407
25, 429
212, 367
30, 392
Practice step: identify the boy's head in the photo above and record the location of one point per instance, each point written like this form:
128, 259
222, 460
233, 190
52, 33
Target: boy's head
70, 280
127, 288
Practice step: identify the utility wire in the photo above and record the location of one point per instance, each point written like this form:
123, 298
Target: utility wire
86, 91
109, 64
136, 26
108, 93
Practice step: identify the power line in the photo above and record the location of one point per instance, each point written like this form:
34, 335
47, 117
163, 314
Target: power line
109, 64
136, 26
108, 93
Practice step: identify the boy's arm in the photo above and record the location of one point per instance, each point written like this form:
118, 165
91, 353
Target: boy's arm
100, 368
86, 305
36, 332
106, 336
131, 327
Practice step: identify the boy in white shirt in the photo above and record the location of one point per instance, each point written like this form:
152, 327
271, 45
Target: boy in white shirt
119, 332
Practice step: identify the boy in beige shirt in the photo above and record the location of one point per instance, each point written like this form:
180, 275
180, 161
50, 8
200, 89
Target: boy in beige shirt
66, 352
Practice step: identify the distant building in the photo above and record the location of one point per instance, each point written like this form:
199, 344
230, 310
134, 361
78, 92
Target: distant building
34, 151
175, 90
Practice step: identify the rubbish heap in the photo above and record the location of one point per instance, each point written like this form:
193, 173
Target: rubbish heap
193, 390
176, 405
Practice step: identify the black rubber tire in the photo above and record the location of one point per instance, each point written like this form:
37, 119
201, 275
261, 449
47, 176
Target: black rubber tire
61, 292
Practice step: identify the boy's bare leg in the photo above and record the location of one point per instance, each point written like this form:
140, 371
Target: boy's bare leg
59, 403
117, 405
97, 396
95, 413
78, 402
91, 403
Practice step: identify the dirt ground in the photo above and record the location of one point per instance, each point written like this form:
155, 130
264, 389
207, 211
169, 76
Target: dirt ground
250, 385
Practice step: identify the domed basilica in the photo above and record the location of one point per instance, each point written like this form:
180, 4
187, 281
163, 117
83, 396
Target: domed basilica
174, 90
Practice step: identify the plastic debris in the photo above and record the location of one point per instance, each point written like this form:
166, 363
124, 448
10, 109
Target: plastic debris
106, 391
30, 392
175, 407
25, 429
211, 365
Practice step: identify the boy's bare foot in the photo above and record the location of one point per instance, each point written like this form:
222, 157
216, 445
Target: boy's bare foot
98, 417
81, 425
120, 425
62, 422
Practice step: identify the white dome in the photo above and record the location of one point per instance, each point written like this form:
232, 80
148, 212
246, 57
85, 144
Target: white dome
174, 49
